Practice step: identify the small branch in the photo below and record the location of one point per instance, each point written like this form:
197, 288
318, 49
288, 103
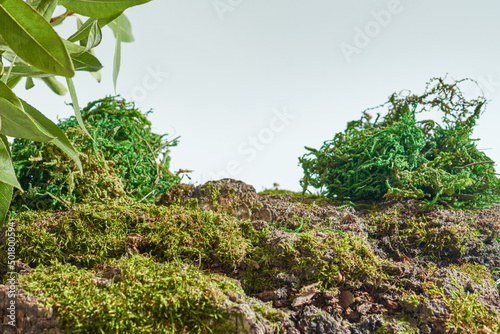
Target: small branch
62, 16
477, 163
464, 195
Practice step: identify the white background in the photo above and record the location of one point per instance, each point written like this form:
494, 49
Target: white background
222, 69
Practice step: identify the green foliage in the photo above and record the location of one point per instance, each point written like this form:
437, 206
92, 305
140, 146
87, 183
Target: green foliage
402, 157
123, 159
33, 49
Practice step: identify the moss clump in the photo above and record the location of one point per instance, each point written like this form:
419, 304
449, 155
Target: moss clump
467, 313
150, 298
125, 160
90, 234
455, 308
422, 236
308, 257
401, 157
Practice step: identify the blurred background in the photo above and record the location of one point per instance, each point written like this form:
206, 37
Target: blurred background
247, 84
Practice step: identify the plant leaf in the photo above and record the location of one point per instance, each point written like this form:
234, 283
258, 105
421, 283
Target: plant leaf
46, 8
9, 95
13, 81
29, 83
100, 8
7, 173
76, 107
33, 39
121, 25
87, 62
25, 70
55, 85
94, 37
117, 57
60, 140
84, 29
16, 123
6, 192
96, 74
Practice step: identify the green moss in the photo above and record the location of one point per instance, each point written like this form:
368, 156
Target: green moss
468, 314
427, 237
398, 156
125, 160
150, 298
329, 257
91, 234
477, 272
273, 192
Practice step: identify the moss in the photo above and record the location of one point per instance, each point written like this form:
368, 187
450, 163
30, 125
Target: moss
399, 157
422, 236
477, 272
124, 159
467, 313
150, 298
90, 234
273, 192
308, 257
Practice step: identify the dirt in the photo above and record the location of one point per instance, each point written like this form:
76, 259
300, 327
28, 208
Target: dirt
430, 272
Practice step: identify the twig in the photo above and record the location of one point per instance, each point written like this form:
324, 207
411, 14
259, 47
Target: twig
464, 195
477, 163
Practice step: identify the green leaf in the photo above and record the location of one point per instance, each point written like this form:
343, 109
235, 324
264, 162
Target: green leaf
25, 70
94, 37
87, 62
76, 107
14, 122
33, 39
83, 60
117, 57
100, 8
84, 30
7, 173
6, 192
97, 75
29, 83
46, 8
9, 95
121, 26
55, 85
61, 140
13, 81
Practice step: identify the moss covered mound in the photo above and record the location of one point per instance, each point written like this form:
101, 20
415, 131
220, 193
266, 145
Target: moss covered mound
146, 268
123, 161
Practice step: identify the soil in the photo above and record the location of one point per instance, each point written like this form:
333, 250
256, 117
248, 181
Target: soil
324, 267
